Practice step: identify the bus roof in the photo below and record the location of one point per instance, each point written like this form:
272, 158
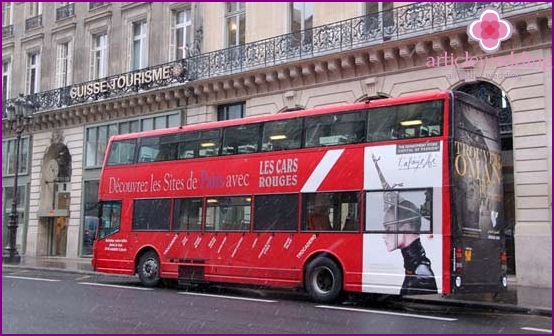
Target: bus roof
287, 115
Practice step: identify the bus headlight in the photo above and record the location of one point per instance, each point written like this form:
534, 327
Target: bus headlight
458, 281
505, 281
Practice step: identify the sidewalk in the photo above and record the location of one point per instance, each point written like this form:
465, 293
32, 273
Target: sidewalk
521, 299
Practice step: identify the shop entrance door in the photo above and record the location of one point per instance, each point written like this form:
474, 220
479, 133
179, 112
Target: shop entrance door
58, 237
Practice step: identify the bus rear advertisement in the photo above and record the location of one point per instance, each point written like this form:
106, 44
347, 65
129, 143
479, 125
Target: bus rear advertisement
395, 196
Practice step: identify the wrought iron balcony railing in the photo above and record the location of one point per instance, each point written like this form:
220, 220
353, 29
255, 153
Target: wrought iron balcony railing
65, 11
33, 22
7, 31
400, 23
93, 5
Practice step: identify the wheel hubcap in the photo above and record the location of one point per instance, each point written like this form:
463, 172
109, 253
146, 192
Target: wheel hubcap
323, 280
150, 268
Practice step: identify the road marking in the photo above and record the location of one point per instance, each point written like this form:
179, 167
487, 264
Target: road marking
114, 286
227, 297
29, 278
537, 329
389, 313
82, 278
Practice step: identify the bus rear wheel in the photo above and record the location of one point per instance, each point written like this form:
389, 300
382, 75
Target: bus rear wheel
323, 280
149, 269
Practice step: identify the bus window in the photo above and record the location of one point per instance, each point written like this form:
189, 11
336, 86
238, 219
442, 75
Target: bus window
335, 129
240, 139
122, 152
158, 148
405, 121
331, 211
199, 144
282, 134
276, 212
187, 214
168, 148
151, 214
149, 149
110, 218
228, 213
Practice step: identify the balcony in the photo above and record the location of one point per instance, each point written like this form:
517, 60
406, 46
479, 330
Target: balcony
400, 23
7, 31
33, 22
94, 5
414, 20
65, 11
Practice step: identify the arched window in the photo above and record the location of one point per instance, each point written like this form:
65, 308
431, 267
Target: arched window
494, 96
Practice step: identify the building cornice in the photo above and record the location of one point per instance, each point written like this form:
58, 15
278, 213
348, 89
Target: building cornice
373, 61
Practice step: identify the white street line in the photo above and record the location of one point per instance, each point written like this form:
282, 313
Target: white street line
227, 297
29, 278
390, 313
537, 329
114, 286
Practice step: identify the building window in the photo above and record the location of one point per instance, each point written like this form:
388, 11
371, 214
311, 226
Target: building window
35, 9
8, 156
7, 201
65, 10
6, 78
138, 55
99, 56
302, 16
7, 13
181, 34
63, 64
235, 21
94, 5
379, 16
33, 73
230, 111
301, 22
97, 142
34, 16
90, 221
97, 136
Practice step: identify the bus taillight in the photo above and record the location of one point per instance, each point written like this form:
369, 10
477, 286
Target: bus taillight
504, 261
458, 260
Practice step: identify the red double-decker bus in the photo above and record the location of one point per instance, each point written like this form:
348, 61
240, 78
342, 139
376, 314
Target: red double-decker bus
396, 196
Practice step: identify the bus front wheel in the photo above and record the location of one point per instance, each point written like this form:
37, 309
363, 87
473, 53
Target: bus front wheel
323, 280
149, 269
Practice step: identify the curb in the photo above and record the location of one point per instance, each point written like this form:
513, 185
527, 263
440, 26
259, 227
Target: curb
458, 303
506, 307
56, 269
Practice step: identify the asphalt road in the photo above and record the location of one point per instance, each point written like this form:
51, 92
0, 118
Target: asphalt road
57, 302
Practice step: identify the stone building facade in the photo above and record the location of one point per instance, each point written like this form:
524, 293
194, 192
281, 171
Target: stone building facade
97, 69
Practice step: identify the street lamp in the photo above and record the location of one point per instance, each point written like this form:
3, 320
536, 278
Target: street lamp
19, 115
